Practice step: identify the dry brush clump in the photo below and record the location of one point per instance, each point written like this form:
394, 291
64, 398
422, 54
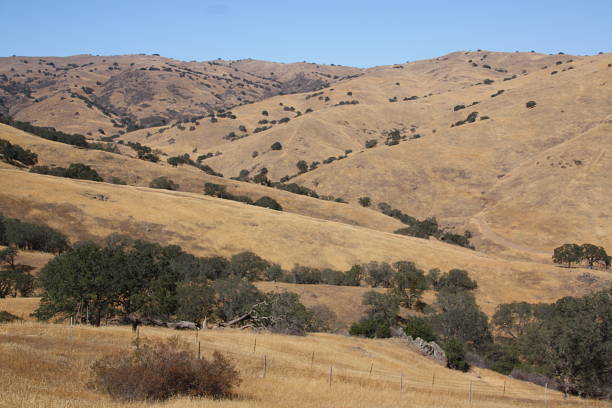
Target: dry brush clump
161, 370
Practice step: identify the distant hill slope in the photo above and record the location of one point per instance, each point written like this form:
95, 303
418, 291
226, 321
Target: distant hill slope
140, 173
507, 169
105, 95
204, 225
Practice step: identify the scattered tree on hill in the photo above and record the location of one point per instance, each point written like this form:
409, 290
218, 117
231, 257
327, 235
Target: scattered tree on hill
276, 146
531, 104
302, 166
365, 201
594, 254
567, 254
14, 278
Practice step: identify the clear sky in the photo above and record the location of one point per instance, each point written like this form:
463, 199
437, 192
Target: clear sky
358, 32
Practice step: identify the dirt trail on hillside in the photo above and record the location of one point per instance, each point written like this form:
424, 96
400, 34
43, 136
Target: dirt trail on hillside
489, 234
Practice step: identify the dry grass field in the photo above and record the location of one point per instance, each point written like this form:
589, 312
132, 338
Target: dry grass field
47, 365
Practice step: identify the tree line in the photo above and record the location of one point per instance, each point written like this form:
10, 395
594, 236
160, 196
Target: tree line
128, 279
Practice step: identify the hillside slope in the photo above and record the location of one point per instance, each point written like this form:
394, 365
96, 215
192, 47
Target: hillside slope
205, 225
140, 173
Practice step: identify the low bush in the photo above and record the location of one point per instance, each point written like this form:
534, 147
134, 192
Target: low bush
163, 183
158, 371
371, 143
6, 317
268, 202
531, 104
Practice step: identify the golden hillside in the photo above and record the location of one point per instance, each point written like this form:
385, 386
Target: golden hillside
523, 180
38, 361
140, 173
205, 225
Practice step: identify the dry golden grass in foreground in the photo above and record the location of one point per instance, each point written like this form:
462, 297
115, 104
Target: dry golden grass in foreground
47, 365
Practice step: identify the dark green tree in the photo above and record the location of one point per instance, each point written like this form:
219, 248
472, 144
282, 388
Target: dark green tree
408, 283
302, 166
461, 318
567, 254
572, 343
365, 201
593, 254
456, 280
235, 297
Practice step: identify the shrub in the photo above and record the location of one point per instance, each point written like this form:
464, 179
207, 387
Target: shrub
276, 146
488, 81
163, 183
158, 371
268, 202
530, 104
365, 201
458, 107
117, 180
371, 143
455, 353
6, 317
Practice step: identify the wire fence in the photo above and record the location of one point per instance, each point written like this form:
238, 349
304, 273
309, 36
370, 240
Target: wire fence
264, 362
257, 360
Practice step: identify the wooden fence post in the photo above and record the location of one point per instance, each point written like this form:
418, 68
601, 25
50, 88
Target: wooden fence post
331, 368
470, 393
401, 382
254, 344
199, 350
265, 367
312, 359
433, 380
371, 366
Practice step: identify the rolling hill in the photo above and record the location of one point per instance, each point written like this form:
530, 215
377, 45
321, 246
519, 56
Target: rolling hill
206, 225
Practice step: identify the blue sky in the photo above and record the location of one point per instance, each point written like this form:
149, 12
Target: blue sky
359, 33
